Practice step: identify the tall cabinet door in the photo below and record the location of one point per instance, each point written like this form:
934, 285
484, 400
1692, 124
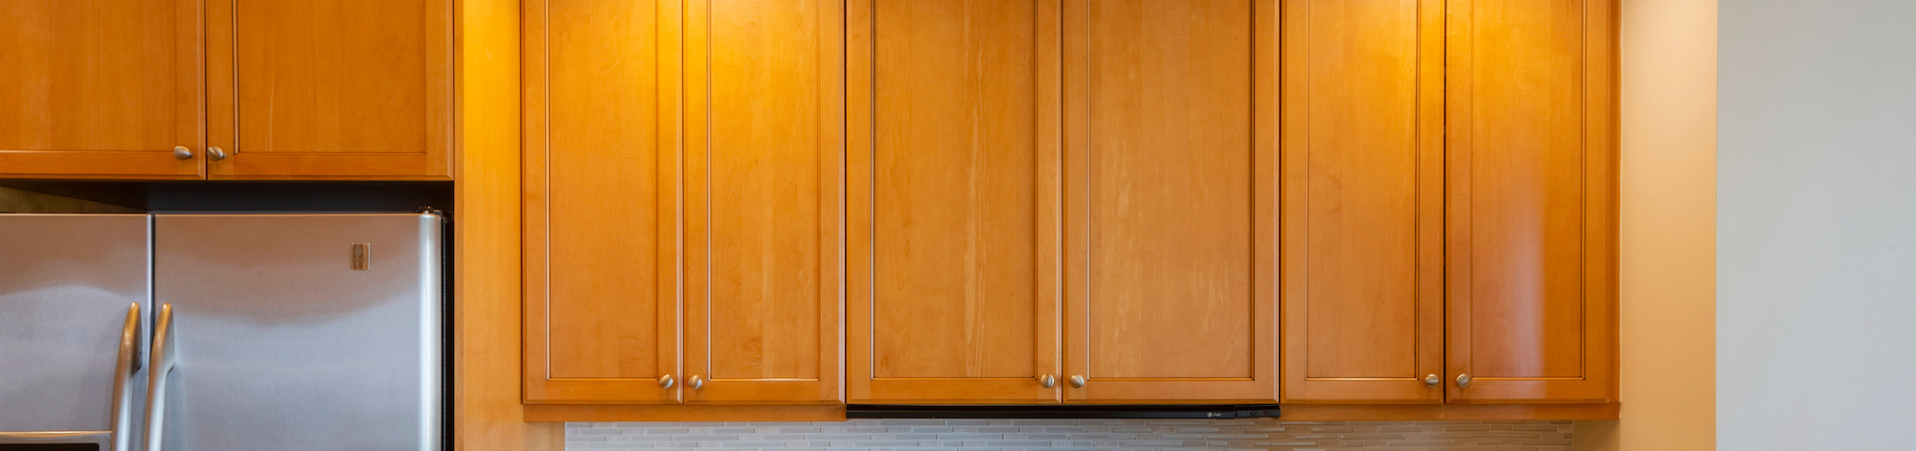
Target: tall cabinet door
764, 188
329, 89
1532, 200
1363, 201
101, 90
602, 160
1171, 183
955, 204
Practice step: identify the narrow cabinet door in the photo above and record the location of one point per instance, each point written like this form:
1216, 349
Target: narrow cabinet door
601, 116
329, 89
764, 184
1363, 201
953, 175
1532, 200
1171, 181
101, 90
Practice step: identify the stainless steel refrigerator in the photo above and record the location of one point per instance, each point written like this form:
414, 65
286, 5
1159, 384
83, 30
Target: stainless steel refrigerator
219, 332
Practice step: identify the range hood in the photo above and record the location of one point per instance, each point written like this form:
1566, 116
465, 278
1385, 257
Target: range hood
1218, 412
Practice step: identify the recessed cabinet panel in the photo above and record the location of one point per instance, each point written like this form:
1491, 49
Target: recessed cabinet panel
325, 89
1171, 135
101, 89
955, 202
1532, 198
765, 116
1363, 201
601, 202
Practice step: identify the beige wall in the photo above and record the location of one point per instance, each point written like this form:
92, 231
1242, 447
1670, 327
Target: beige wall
1668, 280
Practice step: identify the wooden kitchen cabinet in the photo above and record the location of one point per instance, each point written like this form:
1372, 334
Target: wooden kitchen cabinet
1170, 180
602, 188
1363, 201
763, 212
101, 90
1531, 226
329, 89
954, 252
683, 232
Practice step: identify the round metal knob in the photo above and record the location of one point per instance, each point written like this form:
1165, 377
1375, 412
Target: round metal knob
1463, 381
1047, 381
1431, 380
665, 381
215, 153
695, 382
1077, 381
182, 153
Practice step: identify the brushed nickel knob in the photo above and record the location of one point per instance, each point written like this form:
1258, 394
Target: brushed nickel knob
215, 153
1463, 381
665, 381
1077, 381
1431, 380
1047, 381
695, 382
182, 153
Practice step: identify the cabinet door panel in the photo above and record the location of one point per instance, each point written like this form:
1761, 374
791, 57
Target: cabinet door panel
1363, 305
1172, 168
601, 178
953, 182
101, 90
1532, 220
330, 89
764, 182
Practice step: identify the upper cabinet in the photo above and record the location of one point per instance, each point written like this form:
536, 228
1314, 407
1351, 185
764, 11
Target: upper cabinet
1170, 180
683, 233
1363, 201
329, 89
97, 90
1531, 226
227, 89
1063, 201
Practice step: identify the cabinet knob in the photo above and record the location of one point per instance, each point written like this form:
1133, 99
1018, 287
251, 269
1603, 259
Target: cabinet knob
215, 153
695, 382
1431, 380
665, 381
1047, 381
1077, 381
1463, 381
182, 153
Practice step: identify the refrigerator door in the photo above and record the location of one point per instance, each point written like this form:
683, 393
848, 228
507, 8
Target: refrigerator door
73, 292
297, 332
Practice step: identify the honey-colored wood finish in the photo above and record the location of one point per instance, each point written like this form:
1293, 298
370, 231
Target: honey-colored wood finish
1532, 200
602, 175
316, 89
1449, 412
953, 179
763, 212
1171, 185
1363, 208
557, 413
101, 90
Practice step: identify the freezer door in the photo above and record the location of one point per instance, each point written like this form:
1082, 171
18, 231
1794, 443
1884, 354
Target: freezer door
297, 332
73, 289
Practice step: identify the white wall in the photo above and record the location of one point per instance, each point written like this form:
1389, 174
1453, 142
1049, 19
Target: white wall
1816, 328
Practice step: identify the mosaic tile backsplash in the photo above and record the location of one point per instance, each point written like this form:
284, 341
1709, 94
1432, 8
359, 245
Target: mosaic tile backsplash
1129, 435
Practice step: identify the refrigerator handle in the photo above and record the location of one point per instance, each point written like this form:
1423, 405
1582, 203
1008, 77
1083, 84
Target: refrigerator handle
128, 364
165, 357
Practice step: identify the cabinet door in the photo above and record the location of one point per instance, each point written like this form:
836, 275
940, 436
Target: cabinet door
601, 196
100, 90
1532, 200
1363, 201
329, 89
764, 182
1171, 179
955, 205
